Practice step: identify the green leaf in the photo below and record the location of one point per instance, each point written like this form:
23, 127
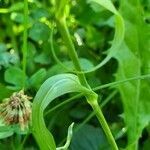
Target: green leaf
106, 4
9, 130
133, 59
3, 47
5, 131
37, 78
13, 76
31, 52
52, 88
39, 13
129, 66
89, 138
42, 58
69, 137
19, 18
7, 58
119, 32
4, 92
16, 6
93, 13
5, 134
39, 32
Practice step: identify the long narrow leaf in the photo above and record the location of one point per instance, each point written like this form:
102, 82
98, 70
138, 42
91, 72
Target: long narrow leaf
119, 32
52, 88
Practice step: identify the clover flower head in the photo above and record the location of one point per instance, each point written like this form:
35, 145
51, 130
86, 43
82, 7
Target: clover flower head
16, 110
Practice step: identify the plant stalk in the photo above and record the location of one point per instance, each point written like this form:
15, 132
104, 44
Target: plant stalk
94, 104
25, 38
91, 97
98, 112
61, 24
133, 146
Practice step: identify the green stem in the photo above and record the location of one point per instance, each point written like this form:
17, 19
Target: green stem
71, 49
93, 113
73, 55
133, 146
25, 38
101, 118
112, 84
91, 97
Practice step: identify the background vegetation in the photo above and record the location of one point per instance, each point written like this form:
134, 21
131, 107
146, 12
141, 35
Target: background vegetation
122, 83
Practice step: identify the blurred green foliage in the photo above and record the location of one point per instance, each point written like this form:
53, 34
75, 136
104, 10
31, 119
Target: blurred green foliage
92, 30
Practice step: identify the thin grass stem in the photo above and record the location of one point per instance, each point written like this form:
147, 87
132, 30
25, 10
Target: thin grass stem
112, 84
25, 40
